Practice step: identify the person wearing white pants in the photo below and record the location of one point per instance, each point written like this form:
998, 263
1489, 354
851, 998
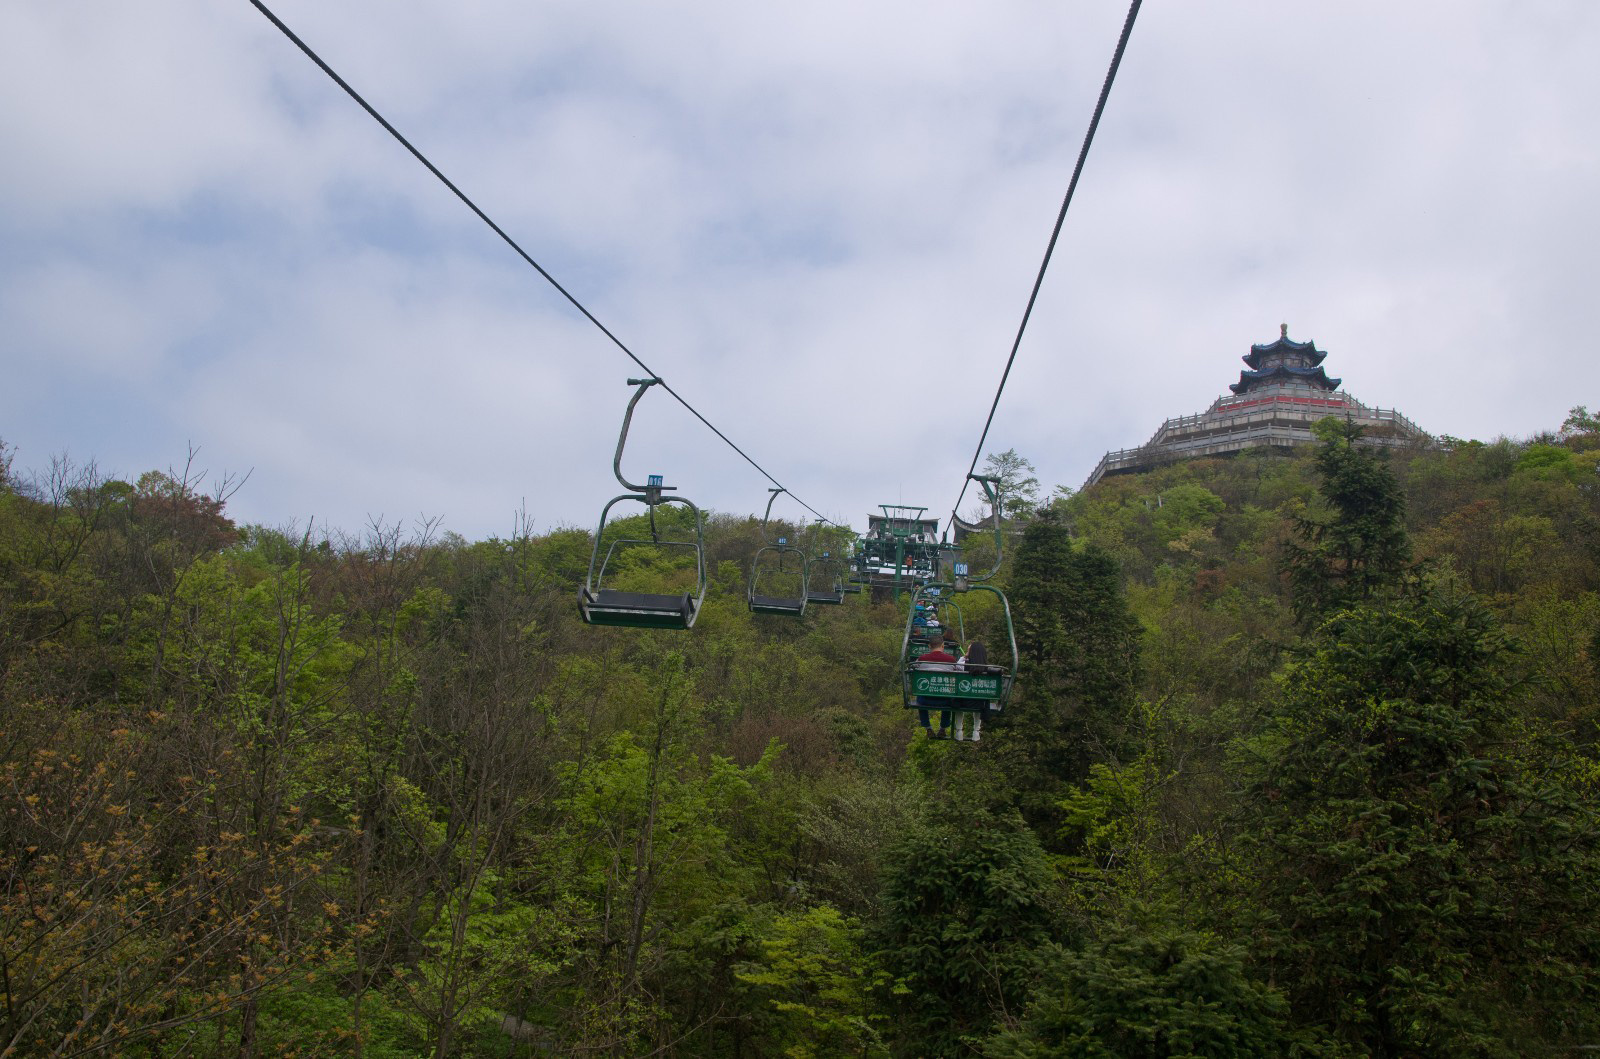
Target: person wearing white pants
978, 655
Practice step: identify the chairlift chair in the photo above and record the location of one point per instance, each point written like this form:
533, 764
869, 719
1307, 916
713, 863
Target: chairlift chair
600, 604
765, 571
937, 610
833, 590
944, 686
825, 577
940, 685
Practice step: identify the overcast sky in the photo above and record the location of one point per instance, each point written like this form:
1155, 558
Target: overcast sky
819, 223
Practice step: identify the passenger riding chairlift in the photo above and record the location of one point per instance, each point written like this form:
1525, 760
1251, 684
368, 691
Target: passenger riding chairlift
601, 605
791, 605
941, 685
832, 576
938, 609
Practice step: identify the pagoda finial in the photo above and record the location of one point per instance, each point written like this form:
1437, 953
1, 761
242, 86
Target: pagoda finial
1283, 330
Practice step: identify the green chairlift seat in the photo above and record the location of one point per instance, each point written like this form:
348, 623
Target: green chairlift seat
943, 686
781, 605
639, 610
963, 689
972, 688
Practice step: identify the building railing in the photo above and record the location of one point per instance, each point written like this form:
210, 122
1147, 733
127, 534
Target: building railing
1221, 435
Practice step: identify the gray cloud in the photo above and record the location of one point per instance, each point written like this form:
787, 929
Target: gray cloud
819, 224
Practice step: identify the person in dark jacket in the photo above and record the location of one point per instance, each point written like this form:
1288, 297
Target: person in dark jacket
937, 655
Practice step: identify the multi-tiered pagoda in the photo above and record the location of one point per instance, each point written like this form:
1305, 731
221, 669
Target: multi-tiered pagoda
1281, 393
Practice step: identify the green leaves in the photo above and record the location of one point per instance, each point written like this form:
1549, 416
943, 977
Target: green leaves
1392, 830
813, 977
1360, 547
968, 904
1080, 652
1158, 992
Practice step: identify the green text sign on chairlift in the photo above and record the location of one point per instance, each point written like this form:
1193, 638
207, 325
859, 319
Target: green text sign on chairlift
956, 685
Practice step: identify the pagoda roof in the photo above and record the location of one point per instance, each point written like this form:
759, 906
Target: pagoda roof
1265, 352
1281, 372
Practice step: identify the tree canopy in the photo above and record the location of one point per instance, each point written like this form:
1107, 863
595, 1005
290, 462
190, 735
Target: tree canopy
1301, 760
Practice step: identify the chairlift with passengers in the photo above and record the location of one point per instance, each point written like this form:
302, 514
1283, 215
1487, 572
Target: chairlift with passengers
971, 688
936, 611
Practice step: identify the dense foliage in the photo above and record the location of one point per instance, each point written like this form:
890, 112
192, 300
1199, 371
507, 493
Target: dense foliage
1302, 762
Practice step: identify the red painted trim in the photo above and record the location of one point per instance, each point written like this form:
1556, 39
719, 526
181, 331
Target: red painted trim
1320, 402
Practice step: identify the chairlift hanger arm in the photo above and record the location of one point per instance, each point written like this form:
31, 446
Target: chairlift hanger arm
991, 486
622, 440
773, 491
991, 492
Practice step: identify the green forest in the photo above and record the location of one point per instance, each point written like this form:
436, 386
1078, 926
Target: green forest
1303, 760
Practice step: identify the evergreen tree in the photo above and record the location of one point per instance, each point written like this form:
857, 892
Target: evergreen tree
1079, 648
1161, 993
966, 913
1361, 547
1427, 875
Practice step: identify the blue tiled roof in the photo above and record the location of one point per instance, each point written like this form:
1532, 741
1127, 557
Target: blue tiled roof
1250, 380
1263, 351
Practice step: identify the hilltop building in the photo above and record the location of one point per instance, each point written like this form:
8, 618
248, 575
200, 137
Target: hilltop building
1283, 390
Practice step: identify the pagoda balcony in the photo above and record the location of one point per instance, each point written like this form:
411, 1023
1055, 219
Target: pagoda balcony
1279, 416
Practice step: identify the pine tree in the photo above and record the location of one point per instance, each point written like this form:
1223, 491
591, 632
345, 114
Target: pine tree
1426, 879
967, 913
1079, 648
1361, 548
1159, 992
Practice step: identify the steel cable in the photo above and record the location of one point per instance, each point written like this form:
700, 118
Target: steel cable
1055, 234
512, 243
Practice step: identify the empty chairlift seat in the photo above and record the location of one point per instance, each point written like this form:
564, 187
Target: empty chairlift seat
601, 599
778, 582
825, 581
650, 610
